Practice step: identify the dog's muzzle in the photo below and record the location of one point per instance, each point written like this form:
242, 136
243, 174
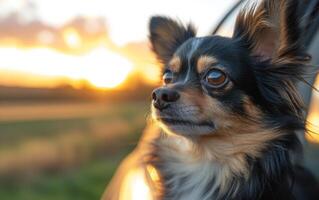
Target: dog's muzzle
163, 97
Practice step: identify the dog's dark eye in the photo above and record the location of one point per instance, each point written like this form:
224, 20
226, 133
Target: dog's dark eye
216, 78
168, 77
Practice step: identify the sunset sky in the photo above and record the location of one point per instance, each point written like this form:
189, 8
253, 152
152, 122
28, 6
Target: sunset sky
44, 43
127, 20
103, 43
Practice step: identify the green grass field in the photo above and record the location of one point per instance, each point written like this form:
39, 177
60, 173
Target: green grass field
70, 151
68, 157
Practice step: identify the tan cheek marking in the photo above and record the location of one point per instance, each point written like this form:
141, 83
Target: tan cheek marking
175, 64
195, 98
230, 147
209, 108
203, 62
215, 111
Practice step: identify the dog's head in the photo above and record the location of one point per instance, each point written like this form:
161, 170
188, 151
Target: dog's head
213, 83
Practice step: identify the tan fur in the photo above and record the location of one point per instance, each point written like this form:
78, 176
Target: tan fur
204, 62
250, 108
260, 24
219, 156
236, 134
265, 27
175, 64
229, 148
224, 152
226, 148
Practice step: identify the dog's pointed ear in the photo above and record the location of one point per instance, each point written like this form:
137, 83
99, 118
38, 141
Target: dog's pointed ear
270, 30
272, 34
166, 35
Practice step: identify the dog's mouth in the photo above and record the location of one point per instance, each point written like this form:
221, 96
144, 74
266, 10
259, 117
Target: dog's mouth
187, 127
184, 122
181, 122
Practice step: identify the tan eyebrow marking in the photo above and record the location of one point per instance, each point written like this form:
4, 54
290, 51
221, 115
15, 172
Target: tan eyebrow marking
175, 64
203, 62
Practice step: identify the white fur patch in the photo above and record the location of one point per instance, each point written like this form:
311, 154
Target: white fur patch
190, 177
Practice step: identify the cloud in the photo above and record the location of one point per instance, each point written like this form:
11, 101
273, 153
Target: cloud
16, 31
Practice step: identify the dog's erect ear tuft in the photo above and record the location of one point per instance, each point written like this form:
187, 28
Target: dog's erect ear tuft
270, 30
166, 35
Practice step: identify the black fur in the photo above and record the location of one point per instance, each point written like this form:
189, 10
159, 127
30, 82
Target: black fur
175, 35
268, 78
272, 175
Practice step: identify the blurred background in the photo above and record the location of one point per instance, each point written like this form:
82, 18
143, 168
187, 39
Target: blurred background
75, 81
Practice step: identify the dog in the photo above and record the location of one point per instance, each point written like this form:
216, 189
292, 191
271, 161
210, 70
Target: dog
228, 110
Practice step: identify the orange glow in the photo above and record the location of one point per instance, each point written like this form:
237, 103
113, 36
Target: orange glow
313, 135
153, 173
151, 73
313, 117
42, 24
135, 187
106, 70
71, 37
101, 67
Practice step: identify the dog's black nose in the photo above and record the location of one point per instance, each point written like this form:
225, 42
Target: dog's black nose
162, 97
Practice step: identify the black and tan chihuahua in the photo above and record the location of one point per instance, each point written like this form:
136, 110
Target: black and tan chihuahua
229, 110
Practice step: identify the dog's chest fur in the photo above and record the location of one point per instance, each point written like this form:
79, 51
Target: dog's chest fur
185, 176
237, 170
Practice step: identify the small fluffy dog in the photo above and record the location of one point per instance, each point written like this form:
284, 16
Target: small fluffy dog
228, 111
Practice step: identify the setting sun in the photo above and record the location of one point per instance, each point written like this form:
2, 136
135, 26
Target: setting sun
106, 70
100, 67
72, 37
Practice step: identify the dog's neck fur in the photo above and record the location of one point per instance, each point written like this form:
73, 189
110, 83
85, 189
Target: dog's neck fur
218, 167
